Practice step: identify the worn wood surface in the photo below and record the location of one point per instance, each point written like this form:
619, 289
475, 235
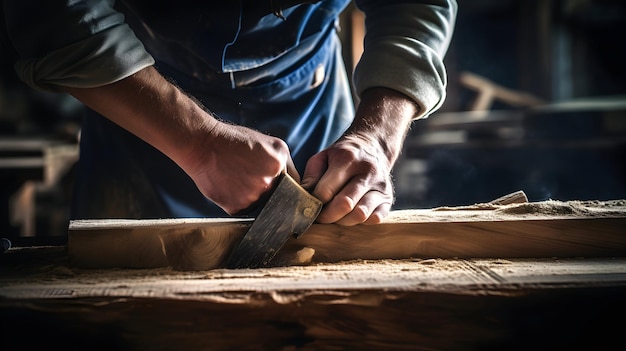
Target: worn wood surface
541, 229
410, 304
289, 284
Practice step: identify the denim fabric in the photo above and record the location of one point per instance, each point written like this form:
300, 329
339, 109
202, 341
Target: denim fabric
226, 36
284, 78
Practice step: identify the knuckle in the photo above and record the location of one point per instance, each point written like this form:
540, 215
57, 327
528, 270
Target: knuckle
375, 218
325, 194
280, 145
344, 204
346, 155
360, 214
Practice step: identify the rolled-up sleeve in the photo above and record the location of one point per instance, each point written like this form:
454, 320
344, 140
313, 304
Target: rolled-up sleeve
80, 44
404, 46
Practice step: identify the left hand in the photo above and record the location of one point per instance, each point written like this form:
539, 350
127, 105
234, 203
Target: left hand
352, 177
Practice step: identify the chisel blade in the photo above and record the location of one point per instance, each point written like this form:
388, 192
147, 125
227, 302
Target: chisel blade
289, 212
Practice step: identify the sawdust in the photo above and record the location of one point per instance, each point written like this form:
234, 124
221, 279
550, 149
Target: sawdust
578, 208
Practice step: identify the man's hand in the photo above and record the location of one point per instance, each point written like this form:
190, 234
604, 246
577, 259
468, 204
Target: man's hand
353, 182
238, 166
353, 176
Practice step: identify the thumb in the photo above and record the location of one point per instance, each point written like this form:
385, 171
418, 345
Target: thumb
291, 169
315, 168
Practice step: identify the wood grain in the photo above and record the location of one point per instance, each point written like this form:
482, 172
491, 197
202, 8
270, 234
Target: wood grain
413, 304
531, 230
558, 319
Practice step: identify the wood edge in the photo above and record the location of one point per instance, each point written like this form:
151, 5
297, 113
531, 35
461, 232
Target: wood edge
104, 224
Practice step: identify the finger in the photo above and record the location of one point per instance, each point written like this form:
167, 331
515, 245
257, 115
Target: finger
313, 171
372, 208
334, 186
379, 214
351, 196
291, 169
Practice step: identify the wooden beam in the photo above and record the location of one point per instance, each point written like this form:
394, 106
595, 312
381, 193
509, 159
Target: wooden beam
291, 284
430, 304
539, 229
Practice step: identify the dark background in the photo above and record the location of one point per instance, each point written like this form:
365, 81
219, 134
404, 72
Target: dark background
571, 146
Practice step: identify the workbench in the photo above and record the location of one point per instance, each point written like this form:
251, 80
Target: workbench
410, 304
513, 276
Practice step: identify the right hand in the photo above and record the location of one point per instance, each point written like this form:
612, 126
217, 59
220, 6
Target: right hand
235, 166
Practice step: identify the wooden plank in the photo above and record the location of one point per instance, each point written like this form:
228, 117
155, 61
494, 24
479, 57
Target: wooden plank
540, 229
558, 319
331, 281
431, 304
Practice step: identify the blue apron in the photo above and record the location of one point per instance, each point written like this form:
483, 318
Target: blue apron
285, 78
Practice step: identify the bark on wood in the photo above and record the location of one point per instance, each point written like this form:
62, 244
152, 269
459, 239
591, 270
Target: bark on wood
541, 229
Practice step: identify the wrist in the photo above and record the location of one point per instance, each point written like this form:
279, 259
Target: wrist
195, 144
384, 116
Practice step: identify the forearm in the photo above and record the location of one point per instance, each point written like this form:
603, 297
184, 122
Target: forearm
384, 117
153, 109
230, 164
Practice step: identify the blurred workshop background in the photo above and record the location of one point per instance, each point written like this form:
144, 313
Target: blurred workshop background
536, 102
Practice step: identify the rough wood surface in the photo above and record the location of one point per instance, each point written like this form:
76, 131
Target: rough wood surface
412, 304
345, 282
540, 229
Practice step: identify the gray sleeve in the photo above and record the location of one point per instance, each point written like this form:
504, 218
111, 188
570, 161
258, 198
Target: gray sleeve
79, 44
404, 46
